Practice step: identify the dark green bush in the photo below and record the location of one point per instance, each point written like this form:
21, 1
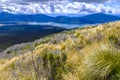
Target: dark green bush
55, 63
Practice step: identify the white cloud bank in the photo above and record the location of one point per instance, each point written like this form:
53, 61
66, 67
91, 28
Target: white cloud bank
62, 7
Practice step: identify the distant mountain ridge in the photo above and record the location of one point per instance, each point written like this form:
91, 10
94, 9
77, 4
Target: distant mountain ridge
100, 18
6, 18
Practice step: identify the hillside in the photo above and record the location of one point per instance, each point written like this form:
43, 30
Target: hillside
19, 33
89, 53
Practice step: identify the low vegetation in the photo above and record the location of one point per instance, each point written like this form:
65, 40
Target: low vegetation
90, 53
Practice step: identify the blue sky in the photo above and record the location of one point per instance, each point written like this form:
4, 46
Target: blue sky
60, 6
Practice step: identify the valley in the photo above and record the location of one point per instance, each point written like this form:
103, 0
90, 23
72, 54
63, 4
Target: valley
16, 34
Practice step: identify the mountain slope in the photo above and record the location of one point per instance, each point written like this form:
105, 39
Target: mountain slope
14, 34
90, 53
89, 19
100, 18
7, 18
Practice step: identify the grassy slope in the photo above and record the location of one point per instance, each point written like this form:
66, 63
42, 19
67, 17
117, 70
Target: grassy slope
93, 53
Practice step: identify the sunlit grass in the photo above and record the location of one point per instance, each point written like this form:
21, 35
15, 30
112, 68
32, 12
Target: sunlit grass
102, 65
92, 53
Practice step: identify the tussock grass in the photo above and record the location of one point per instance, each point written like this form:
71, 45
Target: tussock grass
92, 53
102, 65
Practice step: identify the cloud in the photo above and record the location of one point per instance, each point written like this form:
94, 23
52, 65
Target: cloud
110, 6
22, 1
89, 1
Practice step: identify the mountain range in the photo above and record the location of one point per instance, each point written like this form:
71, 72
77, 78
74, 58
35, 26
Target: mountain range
8, 18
